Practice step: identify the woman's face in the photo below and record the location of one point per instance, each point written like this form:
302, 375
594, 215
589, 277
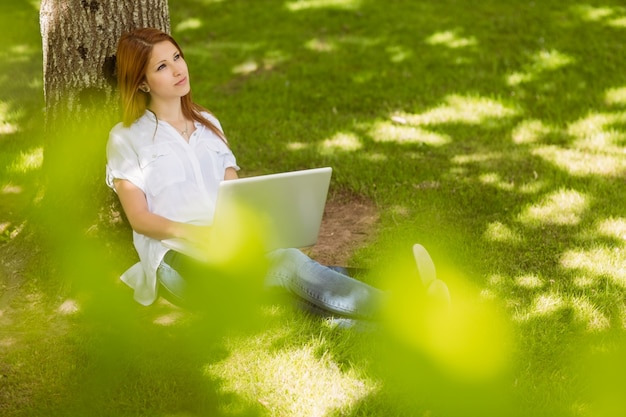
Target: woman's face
167, 74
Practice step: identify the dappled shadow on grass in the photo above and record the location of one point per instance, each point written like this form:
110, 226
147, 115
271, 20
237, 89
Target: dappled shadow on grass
491, 133
21, 100
120, 361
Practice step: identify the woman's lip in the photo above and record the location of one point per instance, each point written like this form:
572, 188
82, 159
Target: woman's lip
181, 81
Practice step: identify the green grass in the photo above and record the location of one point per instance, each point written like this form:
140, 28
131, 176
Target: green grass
492, 132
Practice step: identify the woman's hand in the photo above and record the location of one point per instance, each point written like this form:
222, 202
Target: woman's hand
195, 234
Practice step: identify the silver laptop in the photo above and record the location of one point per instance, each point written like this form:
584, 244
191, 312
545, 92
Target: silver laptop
288, 206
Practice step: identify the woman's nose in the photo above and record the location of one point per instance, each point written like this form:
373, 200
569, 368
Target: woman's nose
179, 68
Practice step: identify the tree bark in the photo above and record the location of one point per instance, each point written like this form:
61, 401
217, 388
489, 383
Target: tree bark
79, 42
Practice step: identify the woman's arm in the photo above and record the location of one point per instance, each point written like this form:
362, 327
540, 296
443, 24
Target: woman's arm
152, 225
230, 174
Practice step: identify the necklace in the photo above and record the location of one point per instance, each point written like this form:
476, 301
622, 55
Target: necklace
184, 132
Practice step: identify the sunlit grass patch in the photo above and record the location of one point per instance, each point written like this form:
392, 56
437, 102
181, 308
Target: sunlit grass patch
610, 16
398, 53
583, 163
539, 63
563, 207
268, 62
321, 45
613, 227
302, 380
451, 39
462, 109
592, 13
587, 312
495, 171
303, 5
533, 187
297, 146
7, 125
11, 189
615, 96
530, 131
170, 318
529, 281
548, 305
499, 232
189, 24
601, 262
495, 179
619, 22
551, 60
599, 131
516, 78
545, 304
28, 161
341, 142
391, 132
69, 307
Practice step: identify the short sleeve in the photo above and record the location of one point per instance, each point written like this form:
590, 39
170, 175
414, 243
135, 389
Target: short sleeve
122, 160
226, 154
229, 160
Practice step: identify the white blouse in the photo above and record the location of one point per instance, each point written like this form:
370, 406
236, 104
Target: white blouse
179, 178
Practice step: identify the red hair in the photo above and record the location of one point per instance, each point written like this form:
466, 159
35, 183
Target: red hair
133, 55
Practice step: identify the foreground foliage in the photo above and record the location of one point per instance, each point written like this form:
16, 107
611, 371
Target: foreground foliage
492, 133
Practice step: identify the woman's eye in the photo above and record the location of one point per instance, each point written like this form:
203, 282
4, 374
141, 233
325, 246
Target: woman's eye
160, 67
176, 57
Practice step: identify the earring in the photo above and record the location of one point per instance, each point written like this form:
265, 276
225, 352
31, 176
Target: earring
144, 88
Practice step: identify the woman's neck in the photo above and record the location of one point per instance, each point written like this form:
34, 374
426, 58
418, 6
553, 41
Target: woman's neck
171, 112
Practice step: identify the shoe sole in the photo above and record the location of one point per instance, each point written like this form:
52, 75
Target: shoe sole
438, 290
425, 265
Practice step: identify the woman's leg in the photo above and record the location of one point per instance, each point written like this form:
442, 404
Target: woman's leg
171, 284
187, 282
318, 289
323, 287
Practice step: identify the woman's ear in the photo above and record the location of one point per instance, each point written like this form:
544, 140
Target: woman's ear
144, 87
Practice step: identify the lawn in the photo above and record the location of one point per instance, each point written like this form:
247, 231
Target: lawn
491, 132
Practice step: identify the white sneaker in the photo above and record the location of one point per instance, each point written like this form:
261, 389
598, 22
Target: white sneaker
425, 265
436, 289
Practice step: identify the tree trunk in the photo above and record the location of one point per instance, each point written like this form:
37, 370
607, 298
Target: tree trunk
79, 42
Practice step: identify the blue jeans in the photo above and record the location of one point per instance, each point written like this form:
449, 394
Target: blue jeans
316, 288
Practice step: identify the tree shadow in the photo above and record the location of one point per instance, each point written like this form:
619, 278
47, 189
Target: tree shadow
21, 101
472, 127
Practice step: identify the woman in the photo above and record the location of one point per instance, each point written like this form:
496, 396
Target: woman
165, 161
